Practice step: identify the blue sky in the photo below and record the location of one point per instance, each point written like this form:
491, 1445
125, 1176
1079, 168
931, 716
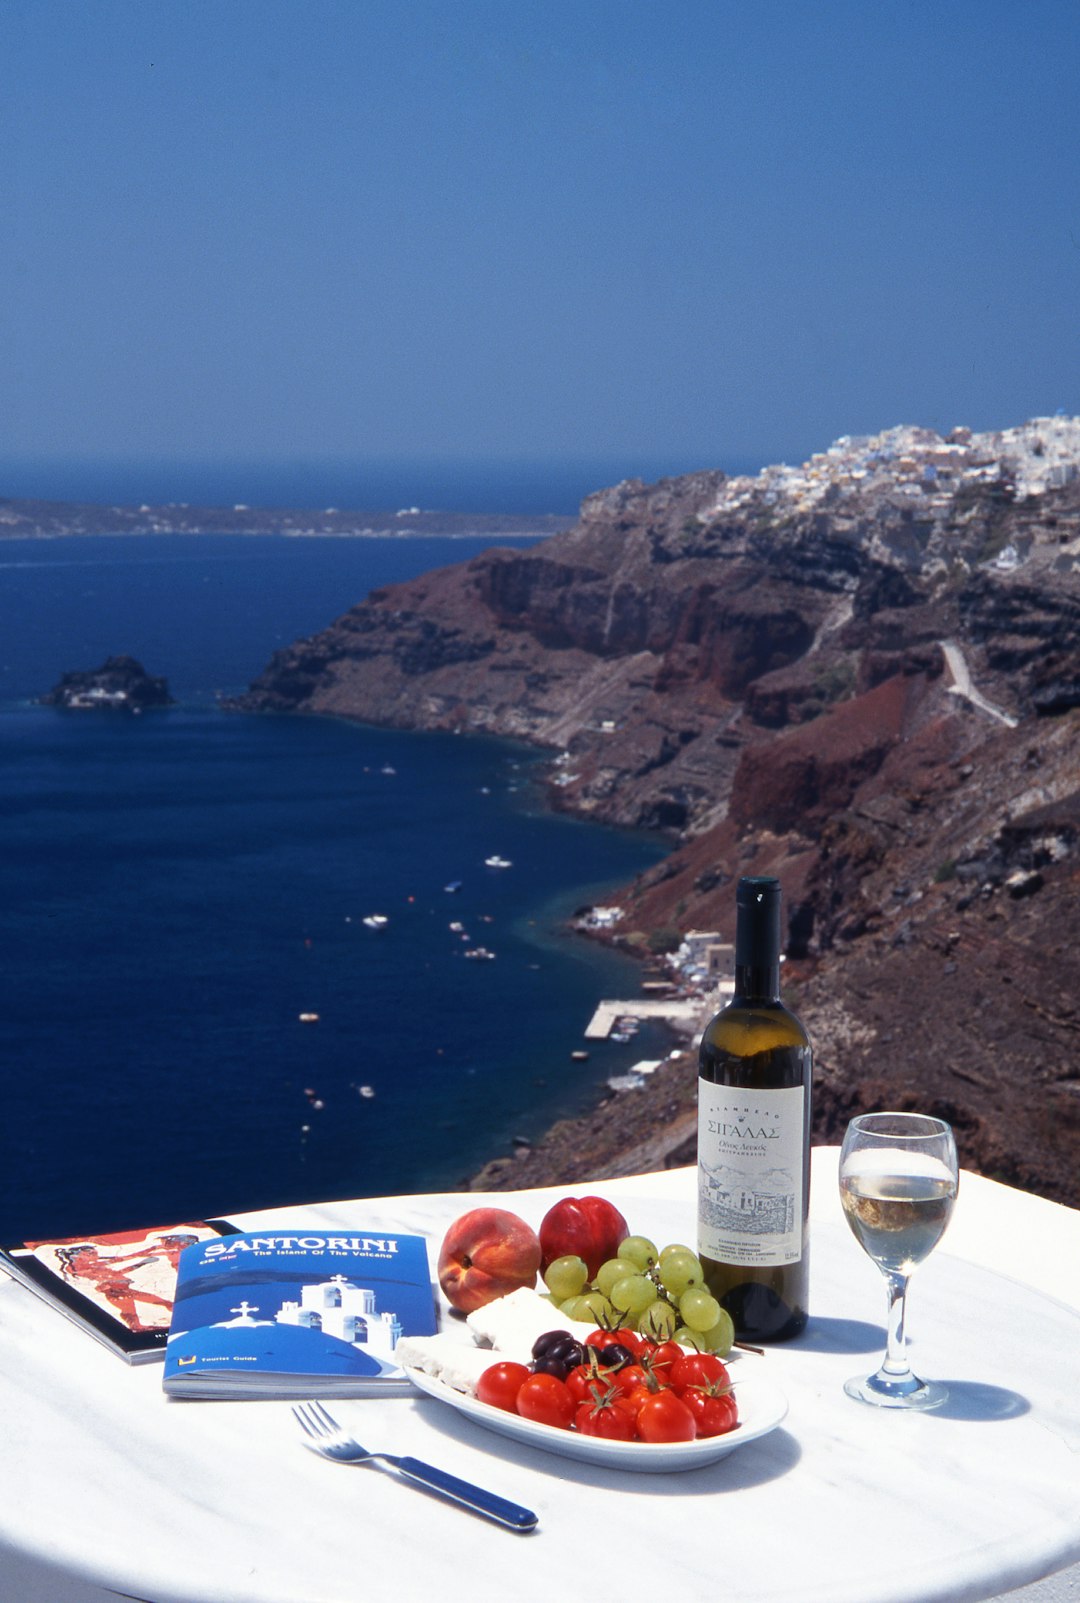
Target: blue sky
663, 234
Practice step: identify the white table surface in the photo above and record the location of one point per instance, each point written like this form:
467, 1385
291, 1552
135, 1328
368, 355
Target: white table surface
109, 1489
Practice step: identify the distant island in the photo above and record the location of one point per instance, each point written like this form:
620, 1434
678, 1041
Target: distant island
121, 684
26, 519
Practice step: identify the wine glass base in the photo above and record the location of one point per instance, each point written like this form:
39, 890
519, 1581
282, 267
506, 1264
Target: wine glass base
897, 1391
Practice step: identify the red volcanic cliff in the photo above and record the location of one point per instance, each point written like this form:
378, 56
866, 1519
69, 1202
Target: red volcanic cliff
864, 676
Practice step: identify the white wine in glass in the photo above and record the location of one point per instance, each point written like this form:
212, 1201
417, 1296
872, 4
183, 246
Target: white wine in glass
898, 1183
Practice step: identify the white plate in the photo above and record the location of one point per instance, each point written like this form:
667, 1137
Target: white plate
761, 1408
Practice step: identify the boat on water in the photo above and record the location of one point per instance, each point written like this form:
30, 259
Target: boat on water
376, 921
495, 861
453, 887
479, 951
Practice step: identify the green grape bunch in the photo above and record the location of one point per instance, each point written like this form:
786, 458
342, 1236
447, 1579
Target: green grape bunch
661, 1294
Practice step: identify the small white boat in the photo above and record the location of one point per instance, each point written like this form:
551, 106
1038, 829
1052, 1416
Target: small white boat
367, 1091
495, 861
387, 769
376, 921
479, 951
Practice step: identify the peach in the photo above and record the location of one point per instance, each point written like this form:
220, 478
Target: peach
485, 1254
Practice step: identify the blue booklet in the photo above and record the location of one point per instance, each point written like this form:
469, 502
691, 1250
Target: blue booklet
297, 1313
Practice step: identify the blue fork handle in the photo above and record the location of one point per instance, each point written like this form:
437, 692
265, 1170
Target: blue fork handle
495, 1508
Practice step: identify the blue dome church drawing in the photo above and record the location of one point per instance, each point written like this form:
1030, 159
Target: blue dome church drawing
338, 1307
335, 1328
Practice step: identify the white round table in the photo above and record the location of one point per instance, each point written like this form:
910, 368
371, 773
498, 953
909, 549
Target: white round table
108, 1488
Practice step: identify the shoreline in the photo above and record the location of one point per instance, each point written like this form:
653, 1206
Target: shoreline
53, 520
628, 1132
634, 1128
259, 533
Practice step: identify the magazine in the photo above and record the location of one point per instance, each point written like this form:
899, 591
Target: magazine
119, 1288
295, 1313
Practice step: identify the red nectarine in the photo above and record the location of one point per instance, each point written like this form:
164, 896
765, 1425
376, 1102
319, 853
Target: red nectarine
591, 1227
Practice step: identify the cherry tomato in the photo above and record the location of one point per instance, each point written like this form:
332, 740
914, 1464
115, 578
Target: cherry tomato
639, 1395
608, 1418
601, 1339
698, 1369
630, 1339
715, 1413
546, 1401
629, 1376
659, 1359
666, 1418
667, 1352
500, 1385
578, 1380
586, 1380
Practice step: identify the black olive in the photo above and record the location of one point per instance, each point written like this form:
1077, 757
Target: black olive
551, 1339
558, 1344
613, 1356
549, 1366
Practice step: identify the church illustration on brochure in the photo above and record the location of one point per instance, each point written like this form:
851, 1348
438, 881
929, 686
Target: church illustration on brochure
339, 1308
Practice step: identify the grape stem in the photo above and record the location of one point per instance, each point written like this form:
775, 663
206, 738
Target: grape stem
745, 1347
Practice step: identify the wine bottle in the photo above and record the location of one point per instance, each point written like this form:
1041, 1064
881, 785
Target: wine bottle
754, 1089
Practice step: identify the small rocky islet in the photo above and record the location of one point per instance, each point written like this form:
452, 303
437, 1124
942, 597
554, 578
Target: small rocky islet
121, 684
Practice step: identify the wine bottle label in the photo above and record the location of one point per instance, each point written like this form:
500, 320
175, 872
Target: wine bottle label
750, 1174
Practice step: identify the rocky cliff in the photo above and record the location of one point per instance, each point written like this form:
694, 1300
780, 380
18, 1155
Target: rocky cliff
121, 684
862, 674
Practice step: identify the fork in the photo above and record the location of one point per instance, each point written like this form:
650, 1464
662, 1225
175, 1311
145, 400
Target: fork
326, 1437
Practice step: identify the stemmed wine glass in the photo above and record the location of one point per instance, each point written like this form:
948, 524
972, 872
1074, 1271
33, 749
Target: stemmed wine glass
898, 1183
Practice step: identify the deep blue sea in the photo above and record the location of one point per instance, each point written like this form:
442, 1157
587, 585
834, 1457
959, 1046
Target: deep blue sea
178, 888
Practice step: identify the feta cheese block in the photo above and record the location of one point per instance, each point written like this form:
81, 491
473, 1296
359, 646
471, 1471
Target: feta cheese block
505, 1328
511, 1324
447, 1357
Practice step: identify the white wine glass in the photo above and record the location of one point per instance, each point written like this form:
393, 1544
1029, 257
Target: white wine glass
898, 1182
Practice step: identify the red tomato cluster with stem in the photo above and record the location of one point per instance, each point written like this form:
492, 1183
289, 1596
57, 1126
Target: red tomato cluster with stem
651, 1392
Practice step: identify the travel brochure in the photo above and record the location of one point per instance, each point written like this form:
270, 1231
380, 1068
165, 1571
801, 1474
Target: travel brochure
297, 1313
